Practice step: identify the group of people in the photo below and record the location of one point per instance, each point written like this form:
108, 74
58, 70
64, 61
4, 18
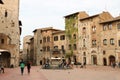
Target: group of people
115, 64
22, 66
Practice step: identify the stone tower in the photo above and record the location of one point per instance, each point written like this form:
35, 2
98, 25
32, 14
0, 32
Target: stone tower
9, 32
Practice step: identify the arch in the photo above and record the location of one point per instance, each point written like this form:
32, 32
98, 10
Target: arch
104, 61
5, 59
111, 59
93, 51
94, 59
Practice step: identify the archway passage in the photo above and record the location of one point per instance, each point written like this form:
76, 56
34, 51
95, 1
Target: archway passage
94, 59
104, 62
5, 59
111, 59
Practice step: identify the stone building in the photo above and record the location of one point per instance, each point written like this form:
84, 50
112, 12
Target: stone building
71, 31
110, 41
90, 38
43, 43
59, 43
9, 32
26, 47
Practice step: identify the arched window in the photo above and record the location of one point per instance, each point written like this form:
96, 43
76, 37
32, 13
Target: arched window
84, 30
48, 48
83, 42
112, 41
105, 42
44, 39
84, 54
93, 29
93, 42
74, 36
48, 39
75, 46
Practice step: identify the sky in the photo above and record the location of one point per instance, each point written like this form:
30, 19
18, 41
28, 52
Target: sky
36, 14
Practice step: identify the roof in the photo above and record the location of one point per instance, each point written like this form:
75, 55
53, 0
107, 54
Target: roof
71, 14
89, 17
57, 32
47, 28
111, 20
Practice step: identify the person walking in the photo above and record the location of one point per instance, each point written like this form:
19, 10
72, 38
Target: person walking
22, 65
28, 67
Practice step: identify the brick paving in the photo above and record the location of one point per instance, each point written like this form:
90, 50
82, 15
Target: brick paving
88, 73
14, 74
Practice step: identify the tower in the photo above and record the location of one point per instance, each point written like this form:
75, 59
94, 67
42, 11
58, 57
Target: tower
9, 32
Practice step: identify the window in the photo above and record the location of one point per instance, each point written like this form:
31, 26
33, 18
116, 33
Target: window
104, 52
44, 39
6, 13
44, 48
74, 47
55, 47
110, 26
84, 54
56, 38
84, 30
62, 37
48, 48
74, 36
93, 42
40, 41
104, 27
1, 41
48, 39
83, 42
70, 46
112, 41
118, 26
119, 42
105, 42
93, 29
62, 47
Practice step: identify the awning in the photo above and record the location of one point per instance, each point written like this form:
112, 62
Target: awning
3, 50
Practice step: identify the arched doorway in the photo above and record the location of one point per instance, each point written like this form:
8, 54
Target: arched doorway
75, 59
104, 62
94, 59
111, 59
5, 59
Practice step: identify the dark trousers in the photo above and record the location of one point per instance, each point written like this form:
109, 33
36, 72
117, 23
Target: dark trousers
22, 70
28, 70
